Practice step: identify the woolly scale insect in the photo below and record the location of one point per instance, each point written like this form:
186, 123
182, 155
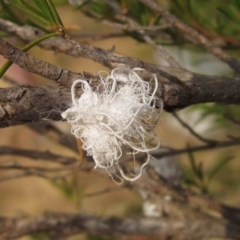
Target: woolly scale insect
116, 120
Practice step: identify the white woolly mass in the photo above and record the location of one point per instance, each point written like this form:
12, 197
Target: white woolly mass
115, 119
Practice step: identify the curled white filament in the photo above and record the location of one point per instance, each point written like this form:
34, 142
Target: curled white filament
115, 119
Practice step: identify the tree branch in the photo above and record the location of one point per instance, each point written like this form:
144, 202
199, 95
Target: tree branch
37, 155
68, 224
28, 104
193, 35
73, 48
21, 105
34, 65
210, 145
50, 130
191, 130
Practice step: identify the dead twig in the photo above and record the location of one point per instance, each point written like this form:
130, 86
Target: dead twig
193, 35
192, 131
208, 146
38, 155
70, 224
51, 131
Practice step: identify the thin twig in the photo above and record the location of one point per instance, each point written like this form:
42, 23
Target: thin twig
73, 48
134, 27
193, 35
37, 66
104, 191
70, 224
192, 131
214, 145
37, 155
15, 176
98, 36
17, 166
37, 172
50, 130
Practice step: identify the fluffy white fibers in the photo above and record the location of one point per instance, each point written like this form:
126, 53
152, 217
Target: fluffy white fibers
116, 119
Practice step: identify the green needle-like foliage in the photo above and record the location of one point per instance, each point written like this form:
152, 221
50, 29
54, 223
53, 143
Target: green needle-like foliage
213, 18
43, 13
7, 13
8, 64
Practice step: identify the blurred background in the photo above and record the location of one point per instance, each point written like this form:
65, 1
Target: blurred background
32, 196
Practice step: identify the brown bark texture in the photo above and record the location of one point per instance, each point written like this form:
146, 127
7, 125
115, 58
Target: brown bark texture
184, 214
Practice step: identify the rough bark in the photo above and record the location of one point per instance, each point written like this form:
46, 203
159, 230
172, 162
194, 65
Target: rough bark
69, 224
21, 105
37, 66
185, 218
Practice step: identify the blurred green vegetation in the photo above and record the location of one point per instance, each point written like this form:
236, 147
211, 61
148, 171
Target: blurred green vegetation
198, 177
219, 20
225, 117
216, 19
42, 13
